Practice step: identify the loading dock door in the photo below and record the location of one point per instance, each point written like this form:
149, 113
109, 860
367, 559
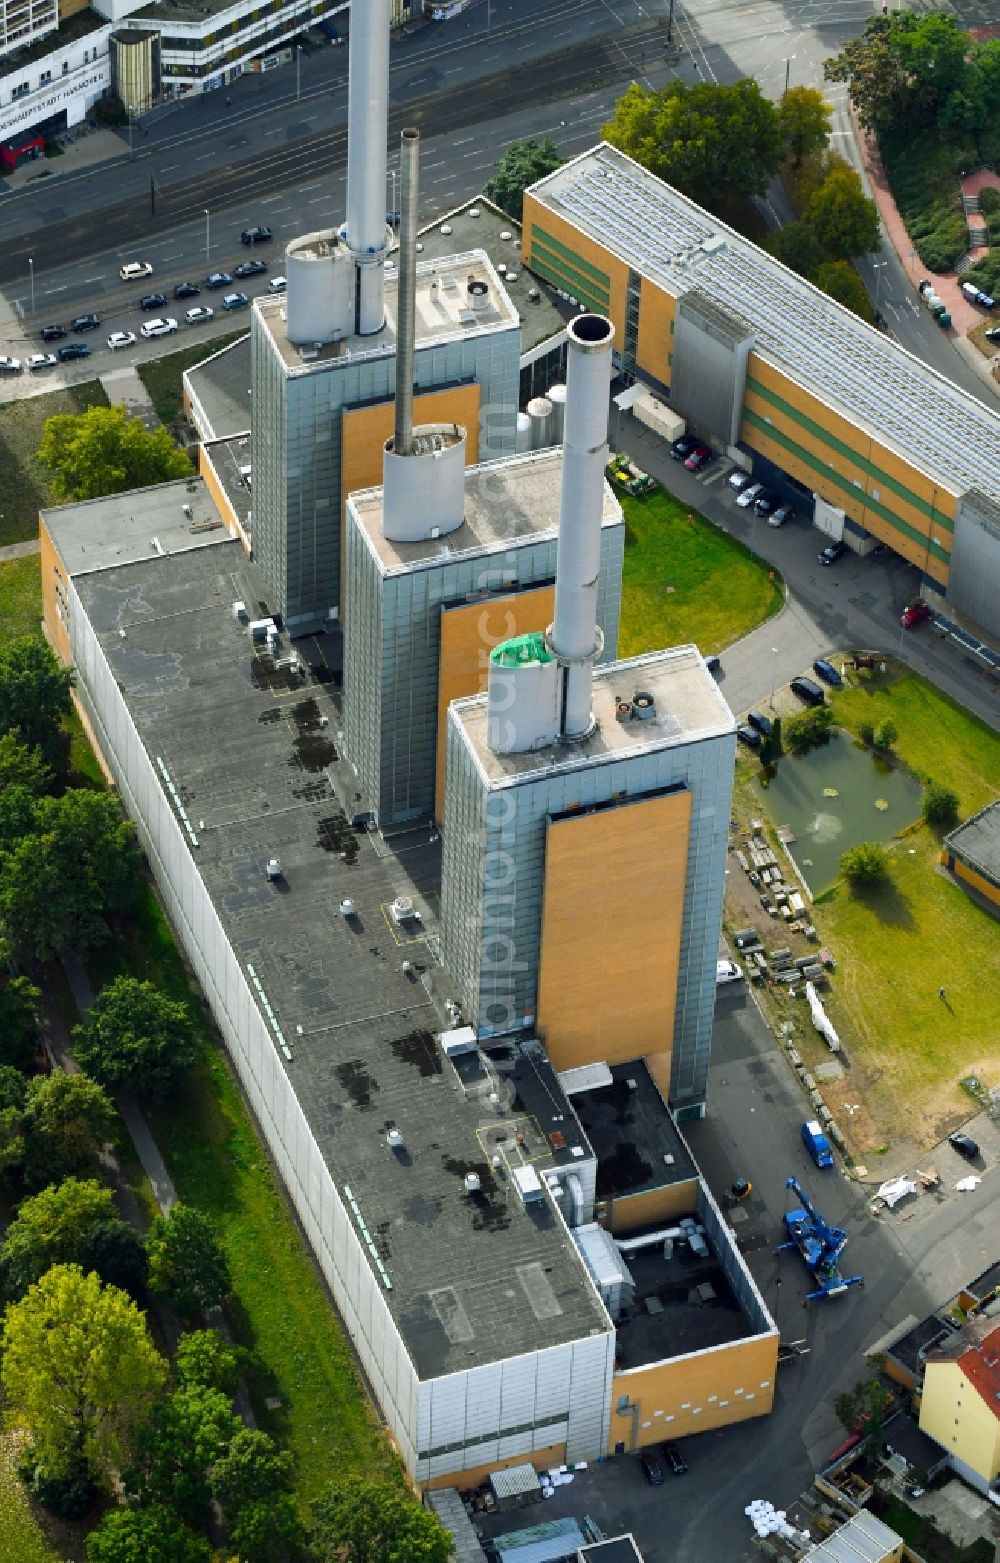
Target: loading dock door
829, 519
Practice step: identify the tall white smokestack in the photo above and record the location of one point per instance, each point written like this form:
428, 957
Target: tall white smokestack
574, 637
367, 134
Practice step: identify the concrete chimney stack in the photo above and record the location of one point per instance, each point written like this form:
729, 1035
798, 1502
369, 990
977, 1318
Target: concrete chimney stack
368, 237
574, 638
409, 171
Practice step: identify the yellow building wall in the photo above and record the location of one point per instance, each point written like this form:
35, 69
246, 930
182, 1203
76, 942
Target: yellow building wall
54, 584
364, 431
611, 924
957, 1417
465, 1481
581, 248
970, 877
656, 317
628, 1212
468, 634
223, 504
694, 1394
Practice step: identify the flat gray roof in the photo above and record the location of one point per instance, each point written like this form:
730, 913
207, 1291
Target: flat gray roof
688, 707
977, 842
632, 1133
124, 528
506, 502
230, 461
219, 389
869, 380
249, 746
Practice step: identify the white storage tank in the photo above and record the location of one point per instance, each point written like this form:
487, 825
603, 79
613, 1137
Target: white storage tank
320, 297
557, 396
540, 416
423, 493
522, 434
523, 712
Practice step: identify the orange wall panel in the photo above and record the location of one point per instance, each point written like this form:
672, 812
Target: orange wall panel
213, 483
656, 314
608, 971
468, 634
54, 583
631, 1211
713, 1389
584, 247
465, 1481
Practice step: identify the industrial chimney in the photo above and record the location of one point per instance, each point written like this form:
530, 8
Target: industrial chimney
423, 493
368, 237
540, 687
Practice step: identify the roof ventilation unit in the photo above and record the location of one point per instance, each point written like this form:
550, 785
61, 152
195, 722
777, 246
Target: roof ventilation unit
528, 1185
273, 869
471, 1183
479, 293
347, 907
403, 910
394, 1140
643, 705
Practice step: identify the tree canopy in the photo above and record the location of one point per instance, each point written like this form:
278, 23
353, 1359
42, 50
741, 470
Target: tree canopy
865, 864
940, 804
908, 72
104, 451
79, 1370
135, 1037
116, 1251
34, 697
186, 1264
805, 118
357, 1521
152, 1535
840, 280
711, 142
252, 1479
521, 164
187, 1432
842, 217
60, 882
19, 1001
23, 766
68, 1119
203, 1358
50, 1228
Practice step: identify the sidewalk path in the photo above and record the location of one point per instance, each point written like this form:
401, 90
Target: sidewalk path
124, 387
19, 550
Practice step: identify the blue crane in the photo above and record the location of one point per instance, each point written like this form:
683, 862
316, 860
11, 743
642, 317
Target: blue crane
819, 1244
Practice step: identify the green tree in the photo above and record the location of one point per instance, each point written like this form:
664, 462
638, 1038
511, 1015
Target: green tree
865, 864
104, 451
23, 766
186, 1264
933, 55
151, 1535
34, 696
708, 141
252, 1479
864, 1408
842, 217
117, 1253
886, 734
866, 732
797, 247
805, 119
13, 1090
840, 280
357, 1521
772, 748
61, 883
521, 165
203, 1358
134, 1037
940, 805
17, 816
80, 1372
68, 1120
187, 1432
902, 70
49, 1229
808, 729
19, 1000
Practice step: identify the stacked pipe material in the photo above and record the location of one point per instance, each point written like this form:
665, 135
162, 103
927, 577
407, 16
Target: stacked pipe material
574, 637
367, 136
409, 168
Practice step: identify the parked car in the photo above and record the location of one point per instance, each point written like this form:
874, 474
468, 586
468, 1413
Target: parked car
832, 553
914, 614
738, 479
681, 448
828, 673
782, 514
965, 1145
185, 290
727, 971
133, 270
278, 285
52, 333
42, 361
817, 1144
993, 334
674, 1459
199, 314
651, 1469
119, 339
158, 328
9, 365
699, 457
85, 323
235, 301
748, 735
765, 503
260, 234
746, 497
153, 301
250, 268
218, 279
761, 722
808, 691
70, 350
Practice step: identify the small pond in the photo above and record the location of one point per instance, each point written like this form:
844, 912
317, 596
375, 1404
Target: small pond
832, 798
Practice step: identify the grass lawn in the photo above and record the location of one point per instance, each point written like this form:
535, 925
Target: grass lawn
925, 1538
21, 595
162, 376
21, 1536
685, 580
25, 478
281, 1309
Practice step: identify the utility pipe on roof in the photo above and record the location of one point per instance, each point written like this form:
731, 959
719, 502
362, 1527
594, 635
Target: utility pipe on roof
409, 168
367, 135
632, 1245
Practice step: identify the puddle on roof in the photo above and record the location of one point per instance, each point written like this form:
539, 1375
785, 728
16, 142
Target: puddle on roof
334, 834
312, 749
312, 792
356, 1081
622, 1171
417, 1048
272, 714
490, 1213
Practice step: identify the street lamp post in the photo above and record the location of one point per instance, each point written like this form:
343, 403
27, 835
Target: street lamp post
298, 71
393, 208
774, 672
31, 275
207, 232
788, 68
